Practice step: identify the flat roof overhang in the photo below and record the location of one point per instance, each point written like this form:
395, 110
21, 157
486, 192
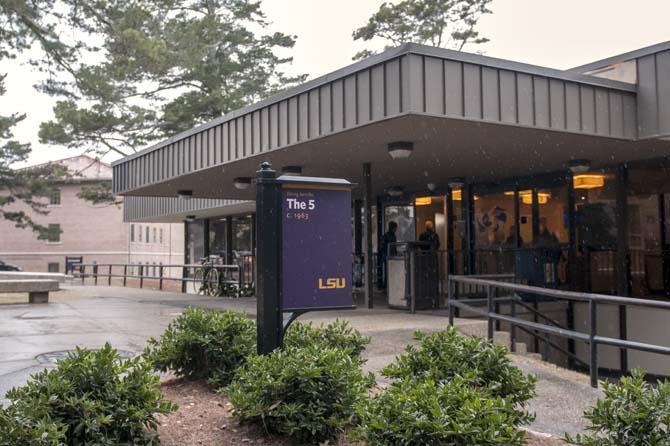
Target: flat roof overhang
443, 148
468, 115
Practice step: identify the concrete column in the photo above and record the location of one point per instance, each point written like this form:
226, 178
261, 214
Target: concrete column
367, 216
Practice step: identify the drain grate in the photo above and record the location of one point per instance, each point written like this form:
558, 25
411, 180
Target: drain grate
52, 357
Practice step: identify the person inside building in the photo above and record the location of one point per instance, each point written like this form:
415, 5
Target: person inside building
387, 249
430, 236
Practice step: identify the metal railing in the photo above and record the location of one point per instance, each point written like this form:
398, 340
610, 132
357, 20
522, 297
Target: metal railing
593, 300
108, 271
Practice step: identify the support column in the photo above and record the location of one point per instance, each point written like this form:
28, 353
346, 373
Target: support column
358, 227
367, 216
571, 265
451, 257
229, 240
622, 255
467, 203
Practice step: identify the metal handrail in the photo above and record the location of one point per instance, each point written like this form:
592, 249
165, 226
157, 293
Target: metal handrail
591, 338
105, 271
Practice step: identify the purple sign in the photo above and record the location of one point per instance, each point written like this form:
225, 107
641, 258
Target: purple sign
316, 254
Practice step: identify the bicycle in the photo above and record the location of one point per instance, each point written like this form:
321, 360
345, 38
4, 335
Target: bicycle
207, 278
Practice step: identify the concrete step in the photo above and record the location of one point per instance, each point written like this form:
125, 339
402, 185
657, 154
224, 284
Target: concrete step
502, 338
521, 348
537, 356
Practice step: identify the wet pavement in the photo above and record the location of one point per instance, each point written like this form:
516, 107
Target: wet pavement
32, 337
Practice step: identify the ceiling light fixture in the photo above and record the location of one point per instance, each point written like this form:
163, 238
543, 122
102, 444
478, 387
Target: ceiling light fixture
400, 149
242, 183
185, 194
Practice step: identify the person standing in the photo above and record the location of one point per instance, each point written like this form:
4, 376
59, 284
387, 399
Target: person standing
387, 249
430, 236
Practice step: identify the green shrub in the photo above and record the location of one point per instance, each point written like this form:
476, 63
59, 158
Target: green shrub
419, 413
91, 397
336, 335
204, 344
446, 354
633, 413
309, 394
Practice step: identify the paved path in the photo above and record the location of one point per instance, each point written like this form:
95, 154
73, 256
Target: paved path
89, 316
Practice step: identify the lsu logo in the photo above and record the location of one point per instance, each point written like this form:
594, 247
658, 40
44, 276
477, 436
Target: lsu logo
332, 283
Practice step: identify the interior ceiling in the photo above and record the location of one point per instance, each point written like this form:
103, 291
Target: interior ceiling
443, 148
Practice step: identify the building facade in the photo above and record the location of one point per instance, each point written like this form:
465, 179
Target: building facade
560, 177
88, 232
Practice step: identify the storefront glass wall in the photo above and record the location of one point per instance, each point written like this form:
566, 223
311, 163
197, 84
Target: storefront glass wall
195, 241
596, 231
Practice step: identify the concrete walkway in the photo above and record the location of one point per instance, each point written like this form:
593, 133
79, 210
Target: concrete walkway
32, 335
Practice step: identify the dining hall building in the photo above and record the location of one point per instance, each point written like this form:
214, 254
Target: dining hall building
515, 165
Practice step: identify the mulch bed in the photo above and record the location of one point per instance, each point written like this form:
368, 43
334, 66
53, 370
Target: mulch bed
204, 418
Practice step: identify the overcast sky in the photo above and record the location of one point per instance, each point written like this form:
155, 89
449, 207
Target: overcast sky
557, 34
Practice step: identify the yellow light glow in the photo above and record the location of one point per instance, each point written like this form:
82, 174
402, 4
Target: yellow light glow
423, 201
457, 195
527, 197
588, 181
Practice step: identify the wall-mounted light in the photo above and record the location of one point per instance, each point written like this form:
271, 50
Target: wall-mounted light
395, 191
242, 183
185, 194
400, 149
431, 187
295, 171
579, 166
190, 218
588, 181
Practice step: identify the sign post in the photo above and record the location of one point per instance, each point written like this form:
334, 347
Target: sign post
304, 240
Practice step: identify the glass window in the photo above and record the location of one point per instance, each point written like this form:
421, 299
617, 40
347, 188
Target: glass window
155, 239
195, 241
553, 224
53, 267
217, 237
139, 234
54, 197
494, 220
404, 216
132, 233
146, 238
595, 203
54, 233
160, 236
242, 243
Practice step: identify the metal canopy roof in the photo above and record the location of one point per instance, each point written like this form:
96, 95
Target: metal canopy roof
411, 80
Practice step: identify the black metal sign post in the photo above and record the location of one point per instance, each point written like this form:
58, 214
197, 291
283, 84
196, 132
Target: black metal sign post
304, 236
269, 320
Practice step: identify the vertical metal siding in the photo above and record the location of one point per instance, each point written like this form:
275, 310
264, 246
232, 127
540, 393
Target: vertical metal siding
363, 97
525, 99
377, 88
453, 89
314, 105
541, 101
418, 84
663, 91
303, 117
392, 87
508, 97
325, 112
490, 94
434, 85
557, 104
